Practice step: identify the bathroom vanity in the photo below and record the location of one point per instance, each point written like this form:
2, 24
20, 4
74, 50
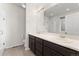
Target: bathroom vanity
52, 45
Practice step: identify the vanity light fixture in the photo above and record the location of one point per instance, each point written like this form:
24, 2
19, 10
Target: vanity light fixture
23, 5
40, 9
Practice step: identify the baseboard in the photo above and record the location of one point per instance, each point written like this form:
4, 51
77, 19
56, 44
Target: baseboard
27, 48
13, 46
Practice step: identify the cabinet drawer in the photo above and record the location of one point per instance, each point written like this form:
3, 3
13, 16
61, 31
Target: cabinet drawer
50, 52
31, 37
60, 49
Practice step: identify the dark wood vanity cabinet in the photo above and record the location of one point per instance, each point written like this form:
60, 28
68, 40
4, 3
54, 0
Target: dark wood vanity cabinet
32, 43
49, 52
41, 47
35, 45
60, 50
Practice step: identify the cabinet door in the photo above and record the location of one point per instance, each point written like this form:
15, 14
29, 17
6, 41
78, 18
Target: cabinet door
50, 52
38, 46
60, 49
32, 43
38, 53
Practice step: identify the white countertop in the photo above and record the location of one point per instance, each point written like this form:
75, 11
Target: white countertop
68, 41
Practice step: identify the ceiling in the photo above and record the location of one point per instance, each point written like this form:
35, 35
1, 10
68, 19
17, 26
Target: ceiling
37, 6
62, 9
40, 6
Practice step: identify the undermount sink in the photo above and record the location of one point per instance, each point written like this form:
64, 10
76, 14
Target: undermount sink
62, 36
65, 39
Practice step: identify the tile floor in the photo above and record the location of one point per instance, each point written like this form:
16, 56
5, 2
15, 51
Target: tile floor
17, 51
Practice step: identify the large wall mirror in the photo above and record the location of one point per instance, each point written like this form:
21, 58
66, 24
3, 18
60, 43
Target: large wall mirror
63, 17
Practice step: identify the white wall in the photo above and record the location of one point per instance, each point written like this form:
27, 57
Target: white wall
34, 21
15, 24
72, 23
53, 24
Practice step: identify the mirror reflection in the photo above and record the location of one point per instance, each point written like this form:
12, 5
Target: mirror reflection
63, 18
